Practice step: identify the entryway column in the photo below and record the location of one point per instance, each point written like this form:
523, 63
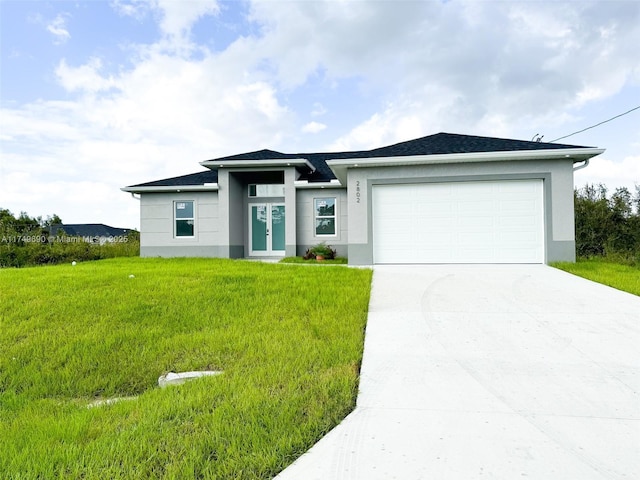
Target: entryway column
290, 209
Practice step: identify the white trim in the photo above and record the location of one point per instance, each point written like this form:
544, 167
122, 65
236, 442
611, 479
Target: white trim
276, 162
207, 187
340, 166
175, 221
334, 216
303, 184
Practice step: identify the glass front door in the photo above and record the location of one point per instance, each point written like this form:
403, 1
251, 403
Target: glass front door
266, 229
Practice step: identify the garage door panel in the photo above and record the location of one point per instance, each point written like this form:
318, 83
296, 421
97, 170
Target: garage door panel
519, 206
520, 222
471, 241
523, 239
439, 243
436, 223
470, 207
464, 222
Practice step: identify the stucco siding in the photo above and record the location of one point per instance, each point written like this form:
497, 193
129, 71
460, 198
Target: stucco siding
222, 217
305, 219
157, 223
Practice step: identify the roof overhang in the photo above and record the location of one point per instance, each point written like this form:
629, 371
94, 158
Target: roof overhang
276, 162
340, 166
207, 187
304, 184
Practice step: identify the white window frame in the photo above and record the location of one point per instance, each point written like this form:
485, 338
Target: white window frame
334, 216
175, 219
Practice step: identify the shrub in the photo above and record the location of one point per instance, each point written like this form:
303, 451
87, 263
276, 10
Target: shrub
320, 250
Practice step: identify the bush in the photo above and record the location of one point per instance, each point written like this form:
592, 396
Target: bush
320, 250
24, 241
608, 226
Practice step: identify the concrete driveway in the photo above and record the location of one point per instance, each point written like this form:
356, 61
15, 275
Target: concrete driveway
490, 371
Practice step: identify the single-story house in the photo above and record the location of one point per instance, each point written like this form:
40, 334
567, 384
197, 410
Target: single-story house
443, 198
97, 233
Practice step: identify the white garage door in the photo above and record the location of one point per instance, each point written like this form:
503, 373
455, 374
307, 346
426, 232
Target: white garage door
459, 222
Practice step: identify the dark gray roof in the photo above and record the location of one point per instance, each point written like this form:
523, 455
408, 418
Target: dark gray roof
438, 144
449, 143
87, 230
200, 178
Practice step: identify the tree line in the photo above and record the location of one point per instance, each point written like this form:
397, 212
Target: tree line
25, 241
608, 225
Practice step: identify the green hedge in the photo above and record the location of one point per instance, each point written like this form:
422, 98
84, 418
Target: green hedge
25, 241
22, 254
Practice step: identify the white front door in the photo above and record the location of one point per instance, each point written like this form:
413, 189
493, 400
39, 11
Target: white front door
266, 229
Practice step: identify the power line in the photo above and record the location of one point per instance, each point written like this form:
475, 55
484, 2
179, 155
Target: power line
597, 124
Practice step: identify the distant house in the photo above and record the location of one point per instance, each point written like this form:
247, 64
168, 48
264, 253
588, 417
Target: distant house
444, 198
97, 233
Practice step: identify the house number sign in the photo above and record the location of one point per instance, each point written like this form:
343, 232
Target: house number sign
357, 191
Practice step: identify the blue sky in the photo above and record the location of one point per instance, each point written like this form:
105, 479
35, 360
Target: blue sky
96, 95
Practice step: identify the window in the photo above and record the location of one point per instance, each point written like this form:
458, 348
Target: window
184, 218
266, 190
325, 215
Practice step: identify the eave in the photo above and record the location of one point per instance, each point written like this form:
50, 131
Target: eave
304, 184
208, 187
340, 166
257, 164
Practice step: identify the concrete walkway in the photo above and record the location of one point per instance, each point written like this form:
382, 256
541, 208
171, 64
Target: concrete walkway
483, 371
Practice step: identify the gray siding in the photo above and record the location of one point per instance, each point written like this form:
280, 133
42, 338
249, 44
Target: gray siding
305, 219
157, 225
222, 217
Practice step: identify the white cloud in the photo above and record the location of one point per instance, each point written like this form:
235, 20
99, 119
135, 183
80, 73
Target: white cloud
313, 127
179, 16
544, 58
603, 169
85, 77
132, 8
155, 120
58, 28
175, 17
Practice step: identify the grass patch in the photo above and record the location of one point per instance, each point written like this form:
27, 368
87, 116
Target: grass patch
288, 339
622, 277
333, 261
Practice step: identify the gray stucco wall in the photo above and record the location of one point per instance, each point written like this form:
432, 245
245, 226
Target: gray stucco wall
305, 220
222, 216
291, 207
557, 177
157, 225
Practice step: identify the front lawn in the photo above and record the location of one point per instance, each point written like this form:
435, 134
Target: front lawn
622, 277
289, 340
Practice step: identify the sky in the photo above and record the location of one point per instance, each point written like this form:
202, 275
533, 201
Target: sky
96, 95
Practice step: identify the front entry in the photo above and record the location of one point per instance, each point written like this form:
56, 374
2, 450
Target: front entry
266, 229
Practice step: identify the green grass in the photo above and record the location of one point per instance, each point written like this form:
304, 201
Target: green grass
622, 277
289, 340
